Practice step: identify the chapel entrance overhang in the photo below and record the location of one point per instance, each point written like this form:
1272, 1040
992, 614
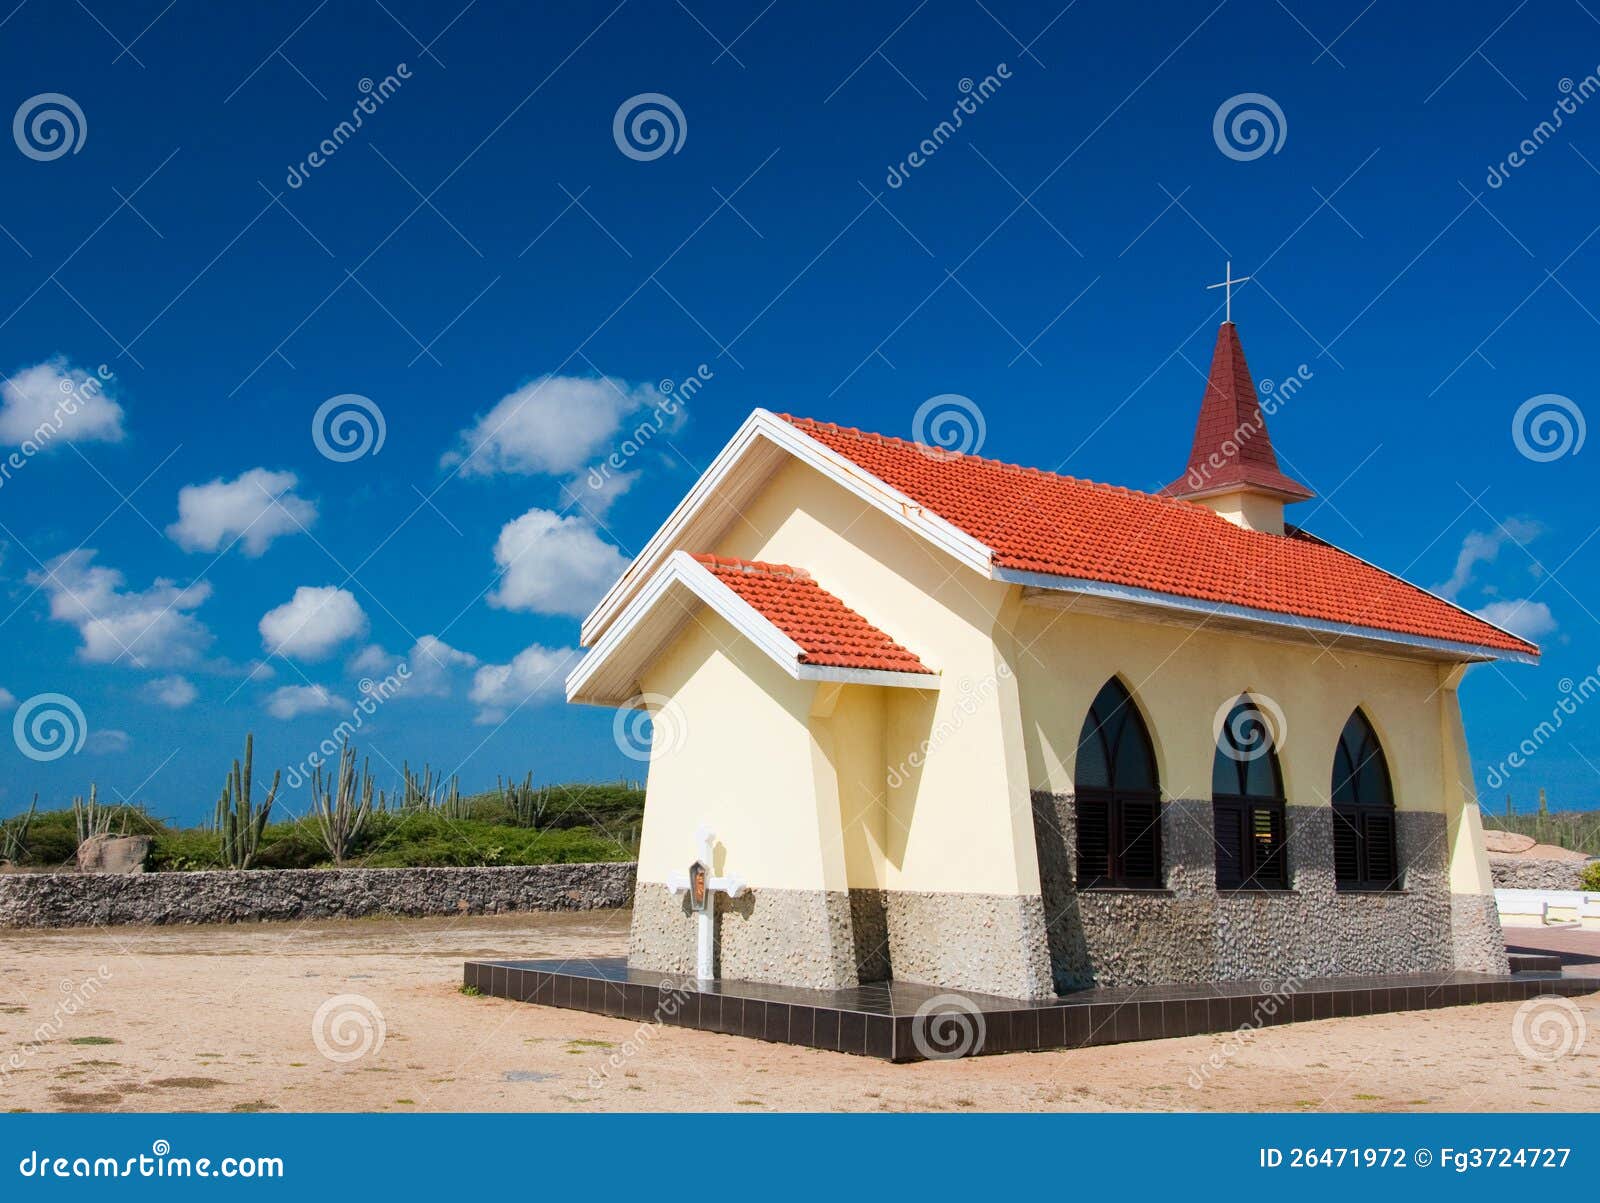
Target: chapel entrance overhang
782, 610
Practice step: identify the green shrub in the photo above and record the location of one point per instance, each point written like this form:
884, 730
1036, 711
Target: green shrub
1590, 879
583, 823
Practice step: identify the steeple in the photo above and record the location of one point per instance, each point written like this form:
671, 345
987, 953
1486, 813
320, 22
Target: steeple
1232, 467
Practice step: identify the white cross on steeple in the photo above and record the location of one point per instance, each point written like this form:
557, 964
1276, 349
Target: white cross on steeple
1228, 283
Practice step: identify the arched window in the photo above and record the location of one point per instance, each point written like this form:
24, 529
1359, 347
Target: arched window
1118, 803
1364, 856
1248, 804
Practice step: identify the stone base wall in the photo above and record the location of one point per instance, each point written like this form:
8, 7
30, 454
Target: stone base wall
1191, 931
97, 900
1480, 944
986, 943
793, 937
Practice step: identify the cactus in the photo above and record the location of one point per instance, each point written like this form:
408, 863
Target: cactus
452, 805
342, 814
418, 791
14, 834
1544, 806
1509, 811
92, 818
527, 804
239, 822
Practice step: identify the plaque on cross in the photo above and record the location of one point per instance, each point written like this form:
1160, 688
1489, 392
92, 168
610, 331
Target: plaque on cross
702, 888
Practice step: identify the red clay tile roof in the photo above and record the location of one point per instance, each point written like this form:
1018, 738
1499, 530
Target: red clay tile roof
1042, 522
1231, 443
828, 631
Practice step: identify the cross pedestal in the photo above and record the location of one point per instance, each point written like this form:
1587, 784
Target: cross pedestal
702, 889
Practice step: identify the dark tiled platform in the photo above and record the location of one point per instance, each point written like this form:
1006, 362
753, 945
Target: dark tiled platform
902, 1021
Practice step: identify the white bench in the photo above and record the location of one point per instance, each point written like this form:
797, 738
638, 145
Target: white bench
1575, 906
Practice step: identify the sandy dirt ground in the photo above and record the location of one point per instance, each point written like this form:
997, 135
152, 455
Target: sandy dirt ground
226, 1019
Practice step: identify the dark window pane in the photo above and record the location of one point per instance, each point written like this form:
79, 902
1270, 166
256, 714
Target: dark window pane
1382, 867
1225, 773
1346, 846
1372, 776
1094, 839
1270, 859
1133, 768
1344, 788
1093, 769
1363, 818
1140, 840
1230, 844
1261, 776
1118, 807
1246, 765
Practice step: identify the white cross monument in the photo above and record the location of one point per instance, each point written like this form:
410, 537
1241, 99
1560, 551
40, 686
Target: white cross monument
702, 889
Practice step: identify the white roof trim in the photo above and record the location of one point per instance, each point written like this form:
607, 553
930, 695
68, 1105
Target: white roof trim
763, 424
682, 570
1195, 605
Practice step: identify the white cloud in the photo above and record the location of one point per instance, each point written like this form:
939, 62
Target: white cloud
291, 701
108, 741
535, 672
372, 660
1480, 547
8, 700
553, 426
553, 565
255, 507
55, 402
313, 622
1530, 619
594, 491
432, 664
174, 692
148, 628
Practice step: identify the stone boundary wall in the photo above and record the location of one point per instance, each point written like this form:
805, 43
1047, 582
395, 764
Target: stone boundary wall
34, 900
1533, 873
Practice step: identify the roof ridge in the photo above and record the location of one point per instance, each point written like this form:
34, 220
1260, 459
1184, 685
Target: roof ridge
751, 567
941, 453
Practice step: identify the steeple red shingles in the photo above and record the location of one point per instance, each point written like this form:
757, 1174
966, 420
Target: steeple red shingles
1232, 448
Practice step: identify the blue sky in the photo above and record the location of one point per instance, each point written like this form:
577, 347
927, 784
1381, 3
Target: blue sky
483, 230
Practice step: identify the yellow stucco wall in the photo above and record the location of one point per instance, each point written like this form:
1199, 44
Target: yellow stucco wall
957, 814
822, 786
735, 751
1181, 677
